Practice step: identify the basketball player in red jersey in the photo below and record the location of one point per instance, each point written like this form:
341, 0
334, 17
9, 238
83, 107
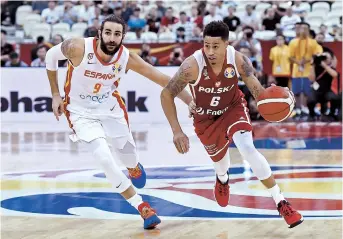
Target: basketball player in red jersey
95, 110
221, 114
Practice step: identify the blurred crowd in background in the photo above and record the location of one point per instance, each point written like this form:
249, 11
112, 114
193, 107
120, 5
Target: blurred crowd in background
299, 29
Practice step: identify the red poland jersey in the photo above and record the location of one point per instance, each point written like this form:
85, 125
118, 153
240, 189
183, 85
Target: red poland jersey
215, 95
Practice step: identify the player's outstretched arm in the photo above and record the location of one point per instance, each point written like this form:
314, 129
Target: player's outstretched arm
246, 70
187, 72
71, 49
137, 64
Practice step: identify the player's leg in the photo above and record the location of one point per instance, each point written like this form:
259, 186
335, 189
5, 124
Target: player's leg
122, 184
261, 168
125, 150
222, 188
91, 132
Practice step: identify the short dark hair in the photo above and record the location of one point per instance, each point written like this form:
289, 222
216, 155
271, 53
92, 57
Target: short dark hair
312, 33
217, 29
248, 27
115, 19
306, 23
4, 31
40, 39
280, 35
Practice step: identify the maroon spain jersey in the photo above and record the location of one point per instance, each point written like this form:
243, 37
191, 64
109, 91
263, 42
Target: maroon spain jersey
214, 95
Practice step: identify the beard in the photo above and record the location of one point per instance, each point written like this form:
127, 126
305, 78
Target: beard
103, 46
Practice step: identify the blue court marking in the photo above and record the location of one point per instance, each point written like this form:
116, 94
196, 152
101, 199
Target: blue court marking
58, 204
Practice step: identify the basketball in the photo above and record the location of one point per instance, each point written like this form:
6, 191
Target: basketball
275, 104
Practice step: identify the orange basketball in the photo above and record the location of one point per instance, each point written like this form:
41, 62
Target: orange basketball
275, 104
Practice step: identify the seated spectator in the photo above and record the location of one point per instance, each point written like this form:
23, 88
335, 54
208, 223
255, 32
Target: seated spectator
289, 20
176, 57
232, 21
186, 25
250, 42
92, 30
212, 16
6, 48
279, 55
14, 61
299, 10
145, 54
271, 22
118, 11
161, 10
69, 14
321, 75
249, 18
196, 35
221, 9
323, 29
51, 15
136, 23
57, 39
39, 6
279, 11
40, 61
180, 35
169, 19
129, 7
106, 9
40, 42
153, 22
86, 11
197, 18
98, 16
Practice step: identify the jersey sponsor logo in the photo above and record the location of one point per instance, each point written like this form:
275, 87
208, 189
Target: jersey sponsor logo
98, 75
229, 72
90, 56
213, 90
95, 98
201, 111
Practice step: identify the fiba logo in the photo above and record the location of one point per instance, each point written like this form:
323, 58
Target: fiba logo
229, 72
200, 111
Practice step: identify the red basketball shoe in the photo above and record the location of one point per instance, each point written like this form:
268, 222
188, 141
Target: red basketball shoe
222, 192
151, 220
292, 217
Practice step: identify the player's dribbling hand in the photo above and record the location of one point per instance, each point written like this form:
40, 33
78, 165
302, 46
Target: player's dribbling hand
57, 106
181, 142
192, 109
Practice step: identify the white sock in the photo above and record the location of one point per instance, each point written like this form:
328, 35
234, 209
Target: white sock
135, 200
223, 178
276, 194
221, 167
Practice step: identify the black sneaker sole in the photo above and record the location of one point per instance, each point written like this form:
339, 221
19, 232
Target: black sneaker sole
296, 223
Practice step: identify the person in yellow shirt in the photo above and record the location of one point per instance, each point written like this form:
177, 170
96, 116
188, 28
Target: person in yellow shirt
279, 55
302, 50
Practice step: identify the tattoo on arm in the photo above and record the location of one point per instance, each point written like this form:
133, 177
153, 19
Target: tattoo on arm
69, 48
247, 67
249, 78
180, 79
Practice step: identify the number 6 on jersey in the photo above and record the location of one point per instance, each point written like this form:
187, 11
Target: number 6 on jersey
215, 101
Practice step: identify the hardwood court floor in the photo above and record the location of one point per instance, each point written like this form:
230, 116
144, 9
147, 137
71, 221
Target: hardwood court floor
51, 188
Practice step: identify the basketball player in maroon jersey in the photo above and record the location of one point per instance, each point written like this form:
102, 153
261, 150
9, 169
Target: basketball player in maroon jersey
221, 113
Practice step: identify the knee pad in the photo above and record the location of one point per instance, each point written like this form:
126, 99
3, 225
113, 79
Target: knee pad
257, 161
102, 152
128, 155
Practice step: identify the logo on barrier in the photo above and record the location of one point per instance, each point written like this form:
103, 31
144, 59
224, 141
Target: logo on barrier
14, 103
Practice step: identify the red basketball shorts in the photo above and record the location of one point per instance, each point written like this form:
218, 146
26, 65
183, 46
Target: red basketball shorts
216, 135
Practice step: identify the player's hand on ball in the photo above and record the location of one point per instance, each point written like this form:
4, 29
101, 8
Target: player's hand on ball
57, 106
181, 142
192, 109
287, 89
